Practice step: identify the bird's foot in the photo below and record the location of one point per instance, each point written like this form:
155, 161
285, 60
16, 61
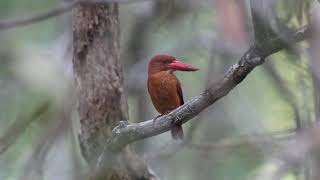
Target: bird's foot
154, 120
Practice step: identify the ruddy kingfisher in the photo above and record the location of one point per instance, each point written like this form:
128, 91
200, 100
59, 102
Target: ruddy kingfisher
164, 87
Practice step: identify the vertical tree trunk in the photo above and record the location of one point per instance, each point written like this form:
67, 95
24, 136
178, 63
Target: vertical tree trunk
99, 83
98, 74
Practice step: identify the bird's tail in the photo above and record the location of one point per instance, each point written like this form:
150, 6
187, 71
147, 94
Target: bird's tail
177, 131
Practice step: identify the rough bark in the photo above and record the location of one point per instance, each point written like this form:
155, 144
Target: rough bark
99, 84
98, 74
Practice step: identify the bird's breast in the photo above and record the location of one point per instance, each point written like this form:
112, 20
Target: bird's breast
162, 88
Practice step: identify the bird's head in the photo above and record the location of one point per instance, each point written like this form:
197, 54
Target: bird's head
165, 62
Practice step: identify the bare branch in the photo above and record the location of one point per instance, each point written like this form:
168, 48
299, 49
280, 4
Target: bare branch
127, 133
63, 8
267, 140
12, 23
20, 125
285, 91
305, 143
46, 140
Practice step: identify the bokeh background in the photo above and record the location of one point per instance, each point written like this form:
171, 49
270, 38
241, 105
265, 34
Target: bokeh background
231, 140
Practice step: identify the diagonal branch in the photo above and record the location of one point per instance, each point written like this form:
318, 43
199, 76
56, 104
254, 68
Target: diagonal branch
127, 133
19, 126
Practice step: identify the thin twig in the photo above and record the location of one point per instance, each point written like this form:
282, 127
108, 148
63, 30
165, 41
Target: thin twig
264, 139
20, 125
304, 144
42, 146
23, 21
286, 92
61, 9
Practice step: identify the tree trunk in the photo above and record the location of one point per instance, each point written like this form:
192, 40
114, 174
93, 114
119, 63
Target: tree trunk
99, 84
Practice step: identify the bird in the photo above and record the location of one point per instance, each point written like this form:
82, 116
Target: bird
164, 87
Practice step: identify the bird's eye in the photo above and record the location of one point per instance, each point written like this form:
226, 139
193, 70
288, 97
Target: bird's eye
166, 62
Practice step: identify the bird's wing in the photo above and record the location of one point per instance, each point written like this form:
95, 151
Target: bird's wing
148, 86
179, 91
